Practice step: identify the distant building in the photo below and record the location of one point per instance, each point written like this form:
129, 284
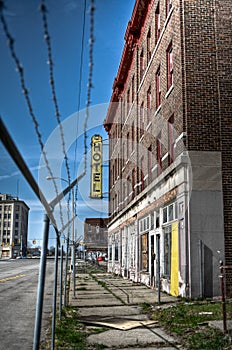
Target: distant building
13, 226
96, 234
169, 126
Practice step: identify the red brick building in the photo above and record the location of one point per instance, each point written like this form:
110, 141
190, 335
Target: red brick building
170, 134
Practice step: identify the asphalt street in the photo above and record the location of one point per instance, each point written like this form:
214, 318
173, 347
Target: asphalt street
18, 292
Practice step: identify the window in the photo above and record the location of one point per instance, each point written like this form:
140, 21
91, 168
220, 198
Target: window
142, 174
157, 219
133, 88
158, 88
169, 213
165, 215
128, 100
113, 174
168, 6
148, 46
110, 252
144, 249
128, 186
159, 154
133, 133
167, 250
149, 164
116, 252
157, 23
171, 139
141, 120
124, 190
149, 105
142, 67
169, 66
145, 224
133, 182
128, 145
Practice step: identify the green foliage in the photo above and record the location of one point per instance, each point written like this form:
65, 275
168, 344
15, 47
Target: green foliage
69, 332
190, 322
146, 307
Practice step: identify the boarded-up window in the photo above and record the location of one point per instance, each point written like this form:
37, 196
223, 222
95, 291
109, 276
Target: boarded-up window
167, 250
144, 248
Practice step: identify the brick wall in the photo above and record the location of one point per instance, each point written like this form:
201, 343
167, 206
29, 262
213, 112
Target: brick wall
224, 46
200, 99
200, 71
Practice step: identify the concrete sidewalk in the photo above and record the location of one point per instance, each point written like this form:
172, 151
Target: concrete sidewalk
104, 300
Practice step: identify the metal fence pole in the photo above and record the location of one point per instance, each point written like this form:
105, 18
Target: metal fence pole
61, 281
223, 297
66, 272
73, 247
40, 291
74, 272
54, 295
200, 267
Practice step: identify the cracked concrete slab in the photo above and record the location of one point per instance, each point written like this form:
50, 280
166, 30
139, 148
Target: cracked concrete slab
134, 337
118, 323
110, 311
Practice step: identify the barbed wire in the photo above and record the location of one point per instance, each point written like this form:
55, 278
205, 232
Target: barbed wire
79, 99
25, 92
47, 39
90, 77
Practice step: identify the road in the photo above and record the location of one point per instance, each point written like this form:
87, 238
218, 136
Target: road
18, 293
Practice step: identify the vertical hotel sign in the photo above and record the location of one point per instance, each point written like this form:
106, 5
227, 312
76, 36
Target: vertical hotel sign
96, 167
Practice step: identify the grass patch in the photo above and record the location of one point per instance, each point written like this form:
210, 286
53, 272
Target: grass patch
70, 333
146, 307
189, 322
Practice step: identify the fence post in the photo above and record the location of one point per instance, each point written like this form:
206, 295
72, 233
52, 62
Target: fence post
66, 273
54, 295
61, 282
223, 297
40, 292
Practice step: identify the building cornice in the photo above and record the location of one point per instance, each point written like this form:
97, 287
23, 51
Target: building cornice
132, 35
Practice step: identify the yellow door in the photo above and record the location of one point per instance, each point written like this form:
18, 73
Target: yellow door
174, 290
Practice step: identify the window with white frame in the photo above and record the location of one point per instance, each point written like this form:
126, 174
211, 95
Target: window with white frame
169, 213
144, 250
167, 250
145, 224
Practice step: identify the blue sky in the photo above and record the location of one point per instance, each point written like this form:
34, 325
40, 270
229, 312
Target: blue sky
65, 24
